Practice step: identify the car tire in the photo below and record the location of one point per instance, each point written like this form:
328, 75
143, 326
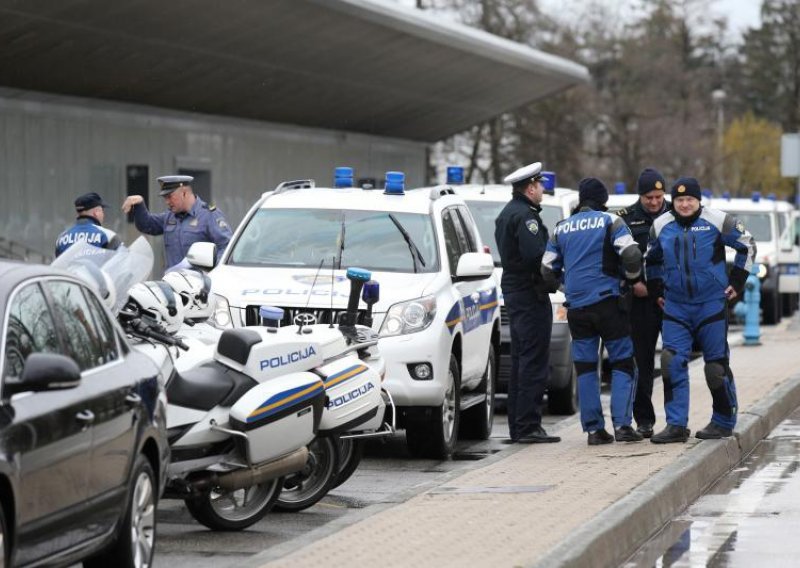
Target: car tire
134, 544
213, 509
5, 544
350, 453
433, 435
564, 401
771, 308
477, 422
305, 488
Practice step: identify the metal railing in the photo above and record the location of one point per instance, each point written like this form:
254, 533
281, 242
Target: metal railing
18, 251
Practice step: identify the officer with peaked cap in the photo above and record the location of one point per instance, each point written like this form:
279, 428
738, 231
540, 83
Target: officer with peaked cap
188, 220
521, 238
88, 227
645, 313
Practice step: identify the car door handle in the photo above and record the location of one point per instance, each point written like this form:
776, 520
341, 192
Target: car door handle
133, 398
85, 416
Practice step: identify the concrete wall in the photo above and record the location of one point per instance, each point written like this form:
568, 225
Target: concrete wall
53, 148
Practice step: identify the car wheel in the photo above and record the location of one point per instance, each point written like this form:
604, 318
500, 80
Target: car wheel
564, 401
224, 510
771, 308
305, 488
434, 434
350, 454
476, 422
4, 542
134, 545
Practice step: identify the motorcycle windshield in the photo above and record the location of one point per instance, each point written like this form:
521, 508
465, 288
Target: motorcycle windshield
110, 272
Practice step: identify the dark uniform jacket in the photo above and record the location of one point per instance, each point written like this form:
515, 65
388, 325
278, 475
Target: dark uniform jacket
639, 221
521, 241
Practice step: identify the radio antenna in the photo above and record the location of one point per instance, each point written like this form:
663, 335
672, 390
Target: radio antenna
308, 297
333, 276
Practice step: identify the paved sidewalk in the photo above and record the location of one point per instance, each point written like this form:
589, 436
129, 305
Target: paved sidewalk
567, 503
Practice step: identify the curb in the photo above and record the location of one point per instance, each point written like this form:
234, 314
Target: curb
612, 536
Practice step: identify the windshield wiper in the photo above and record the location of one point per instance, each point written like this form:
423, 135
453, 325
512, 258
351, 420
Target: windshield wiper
341, 245
415, 254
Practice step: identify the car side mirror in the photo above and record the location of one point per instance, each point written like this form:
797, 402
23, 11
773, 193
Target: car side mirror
44, 372
202, 255
474, 266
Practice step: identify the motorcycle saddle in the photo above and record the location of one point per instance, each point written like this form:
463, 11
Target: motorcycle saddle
208, 386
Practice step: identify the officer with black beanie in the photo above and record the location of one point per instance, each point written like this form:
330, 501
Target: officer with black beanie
645, 314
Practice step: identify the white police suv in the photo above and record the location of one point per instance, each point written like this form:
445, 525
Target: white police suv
485, 202
437, 316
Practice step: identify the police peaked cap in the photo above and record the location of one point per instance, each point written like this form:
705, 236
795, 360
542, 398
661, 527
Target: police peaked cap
592, 189
171, 183
686, 187
650, 180
526, 174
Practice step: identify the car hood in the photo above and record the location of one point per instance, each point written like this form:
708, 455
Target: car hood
296, 287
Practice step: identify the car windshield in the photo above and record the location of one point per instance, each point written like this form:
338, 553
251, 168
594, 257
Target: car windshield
485, 212
307, 237
757, 223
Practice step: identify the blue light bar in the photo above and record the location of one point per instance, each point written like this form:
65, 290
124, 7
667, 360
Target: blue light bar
355, 273
343, 176
726, 195
619, 187
395, 183
756, 196
455, 175
549, 182
707, 193
772, 197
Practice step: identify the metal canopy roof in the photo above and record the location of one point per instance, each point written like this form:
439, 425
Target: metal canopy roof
356, 65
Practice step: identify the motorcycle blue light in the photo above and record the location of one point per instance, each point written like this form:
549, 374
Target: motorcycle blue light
455, 175
371, 292
343, 176
619, 187
756, 196
549, 182
270, 315
355, 273
395, 183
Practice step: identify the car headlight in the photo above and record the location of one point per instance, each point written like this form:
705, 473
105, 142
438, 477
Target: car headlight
221, 318
762, 271
409, 317
559, 312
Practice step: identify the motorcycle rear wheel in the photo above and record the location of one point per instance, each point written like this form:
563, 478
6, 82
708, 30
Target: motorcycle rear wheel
222, 510
350, 452
305, 488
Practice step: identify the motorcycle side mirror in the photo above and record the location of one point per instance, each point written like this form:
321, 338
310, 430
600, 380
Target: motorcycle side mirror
202, 255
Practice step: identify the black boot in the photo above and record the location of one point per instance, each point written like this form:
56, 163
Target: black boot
627, 434
671, 433
538, 436
600, 437
645, 429
714, 432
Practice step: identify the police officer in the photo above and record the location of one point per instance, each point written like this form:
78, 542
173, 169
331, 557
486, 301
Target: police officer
685, 265
645, 313
189, 219
594, 250
89, 226
521, 240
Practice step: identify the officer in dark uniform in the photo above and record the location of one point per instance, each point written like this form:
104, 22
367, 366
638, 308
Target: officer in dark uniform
88, 226
521, 240
645, 313
189, 219
594, 250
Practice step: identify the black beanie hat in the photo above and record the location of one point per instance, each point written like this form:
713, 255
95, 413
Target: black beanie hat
592, 189
686, 186
650, 180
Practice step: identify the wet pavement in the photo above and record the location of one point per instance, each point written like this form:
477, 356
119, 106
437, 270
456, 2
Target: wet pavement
749, 518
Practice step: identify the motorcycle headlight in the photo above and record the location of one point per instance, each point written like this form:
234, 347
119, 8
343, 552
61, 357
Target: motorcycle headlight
762, 271
221, 318
409, 317
559, 312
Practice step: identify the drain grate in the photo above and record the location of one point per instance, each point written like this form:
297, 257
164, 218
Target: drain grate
506, 489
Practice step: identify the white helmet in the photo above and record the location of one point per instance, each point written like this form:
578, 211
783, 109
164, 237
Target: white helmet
194, 288
157, 301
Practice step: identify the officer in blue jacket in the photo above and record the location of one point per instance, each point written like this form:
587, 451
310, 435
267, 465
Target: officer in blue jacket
521, 240
685, 265
595, 252
88, 226
189, 219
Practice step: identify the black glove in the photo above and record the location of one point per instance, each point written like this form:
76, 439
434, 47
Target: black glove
655, 288
737, 279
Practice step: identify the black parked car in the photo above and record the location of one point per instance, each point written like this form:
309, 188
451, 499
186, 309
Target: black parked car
83, 449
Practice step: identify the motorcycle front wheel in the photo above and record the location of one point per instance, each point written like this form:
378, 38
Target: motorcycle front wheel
223, 510
303, 489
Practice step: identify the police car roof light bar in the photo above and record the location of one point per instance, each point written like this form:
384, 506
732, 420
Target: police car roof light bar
619, 187
772, 197
549, 182
395, 183
295, 184
726, 195
455, 175
756, 197
343, 176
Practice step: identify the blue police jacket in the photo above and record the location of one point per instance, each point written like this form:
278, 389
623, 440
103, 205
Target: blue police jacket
687, 256
201, 224
89, 230
595, 251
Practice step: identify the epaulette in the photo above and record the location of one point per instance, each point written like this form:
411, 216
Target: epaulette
622, 212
